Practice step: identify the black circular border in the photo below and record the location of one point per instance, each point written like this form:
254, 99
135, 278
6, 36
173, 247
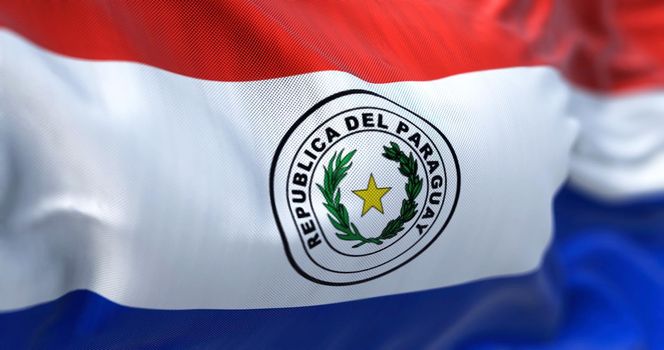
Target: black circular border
273, 167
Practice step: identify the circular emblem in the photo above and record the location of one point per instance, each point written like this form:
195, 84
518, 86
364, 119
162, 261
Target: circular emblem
360, 186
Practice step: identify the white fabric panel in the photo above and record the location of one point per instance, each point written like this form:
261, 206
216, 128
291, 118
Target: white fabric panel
620, 152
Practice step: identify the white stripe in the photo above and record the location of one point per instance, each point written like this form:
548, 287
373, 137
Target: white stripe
151, 188
620, 152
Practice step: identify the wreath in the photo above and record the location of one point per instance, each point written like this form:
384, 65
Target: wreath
337, 169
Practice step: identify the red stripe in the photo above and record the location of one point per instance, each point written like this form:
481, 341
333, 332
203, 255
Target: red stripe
598, 44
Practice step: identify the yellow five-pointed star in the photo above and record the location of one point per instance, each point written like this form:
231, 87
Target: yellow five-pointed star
372, 196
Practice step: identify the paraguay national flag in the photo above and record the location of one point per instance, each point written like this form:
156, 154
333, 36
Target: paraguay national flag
332, 174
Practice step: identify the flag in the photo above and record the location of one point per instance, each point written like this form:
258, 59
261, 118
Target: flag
338, 174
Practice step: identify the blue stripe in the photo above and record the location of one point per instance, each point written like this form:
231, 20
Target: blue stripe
600, 287
85, 319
